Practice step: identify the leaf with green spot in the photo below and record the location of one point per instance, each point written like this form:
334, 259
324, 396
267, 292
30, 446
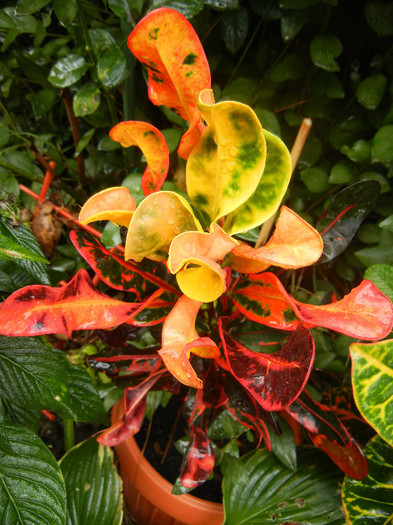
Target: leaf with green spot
324, 49
270, 190
111, 66
68, 70
225, 167
372, 382
86, 100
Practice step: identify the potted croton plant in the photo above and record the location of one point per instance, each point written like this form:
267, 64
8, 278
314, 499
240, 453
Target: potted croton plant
235, 345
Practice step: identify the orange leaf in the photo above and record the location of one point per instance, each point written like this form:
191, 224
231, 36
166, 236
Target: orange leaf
113, 204
167, 44
154, 147
294, 244
179, 338
38, 310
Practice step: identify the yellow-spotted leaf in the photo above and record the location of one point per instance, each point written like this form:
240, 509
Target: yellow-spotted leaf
294, 244
270, 191
113, 204
372, 381
179, 338
159, 218
154, 147
225, 167
167, 44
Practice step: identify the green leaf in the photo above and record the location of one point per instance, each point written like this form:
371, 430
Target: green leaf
32, 488
222, 5
122, 8
341, 172
234, 28
324, 49
187, 8
27, 7
101, 40
370, 500
298, 4
382, 146
84, 399
65, 11
387, 224
86, 100
382, 276
371, 90
290, 67
382, 254
373, 175
94, 489
111, 67
292, 23
372, 383
328, 84
42, 101
379, 16
10, 250
315, 179
225, 426
260, 489
84, 141
359, 152
9, 184
6, 21
284, 446
68, 70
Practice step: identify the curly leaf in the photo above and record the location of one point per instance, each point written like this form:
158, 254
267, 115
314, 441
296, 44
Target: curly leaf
179, 338
270, 191
191, 258
166, 43
38, 310
159, 218
275, 380
226, 165
113, 204
372, 381
294, 244
154, 147
198, 461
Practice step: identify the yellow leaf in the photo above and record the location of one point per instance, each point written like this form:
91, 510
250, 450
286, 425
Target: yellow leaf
113, 204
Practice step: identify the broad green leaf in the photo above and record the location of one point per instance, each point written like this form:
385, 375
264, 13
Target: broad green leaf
179, 338
10, 250
290, 67
6, 21
371, 90
177, 66
85, 402
382, 276
324, 49
234, 28
283, 446
38, 310
298, 4
315, 179
86, 100
372, 382
382, 146
158, 219
271, 189
122, 9
292, 23
188, 8
260, 489
28, 7
379, 16
360, 151
101, 40
381, 254
111, 66
32, 487
89, 472
65, 11
222, 4
84, 141
68, 70
113, 204
294, 244
226, 165
154, 147
370, 500
341, 173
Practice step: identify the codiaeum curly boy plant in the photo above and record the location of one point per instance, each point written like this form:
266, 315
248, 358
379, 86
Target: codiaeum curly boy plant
236, 176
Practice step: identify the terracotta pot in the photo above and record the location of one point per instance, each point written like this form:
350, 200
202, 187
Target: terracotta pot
149, 496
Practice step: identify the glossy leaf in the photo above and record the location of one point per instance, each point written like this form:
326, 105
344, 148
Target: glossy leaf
68, 70
270, 191
111, 67
324, 49
346, 211
159, 218
11, 250
32, 487
372, 382
38, 310
226, 165
294, 244
113, 204
154, 147
179, 339
371, 499
191, 258
166, 43
259, 489
198, 461
275, 380
89, 472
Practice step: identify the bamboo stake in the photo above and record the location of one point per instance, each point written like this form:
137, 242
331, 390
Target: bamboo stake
297, 148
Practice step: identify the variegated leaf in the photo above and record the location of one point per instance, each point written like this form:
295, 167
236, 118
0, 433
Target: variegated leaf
113, 204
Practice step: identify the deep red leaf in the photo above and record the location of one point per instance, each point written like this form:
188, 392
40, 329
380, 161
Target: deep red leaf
198, 461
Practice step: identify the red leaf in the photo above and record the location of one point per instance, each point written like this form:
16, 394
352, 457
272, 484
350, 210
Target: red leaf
275, 380
38, 310
198, 461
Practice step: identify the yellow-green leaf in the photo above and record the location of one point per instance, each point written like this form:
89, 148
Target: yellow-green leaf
159, 218
154, 147
372, 381
113, 204
294, 244
226, 165
270, 191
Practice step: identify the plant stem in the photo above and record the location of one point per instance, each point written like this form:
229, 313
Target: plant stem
69, 435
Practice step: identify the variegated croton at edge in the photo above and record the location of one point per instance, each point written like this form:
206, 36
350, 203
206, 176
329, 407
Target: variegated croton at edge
185, 265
